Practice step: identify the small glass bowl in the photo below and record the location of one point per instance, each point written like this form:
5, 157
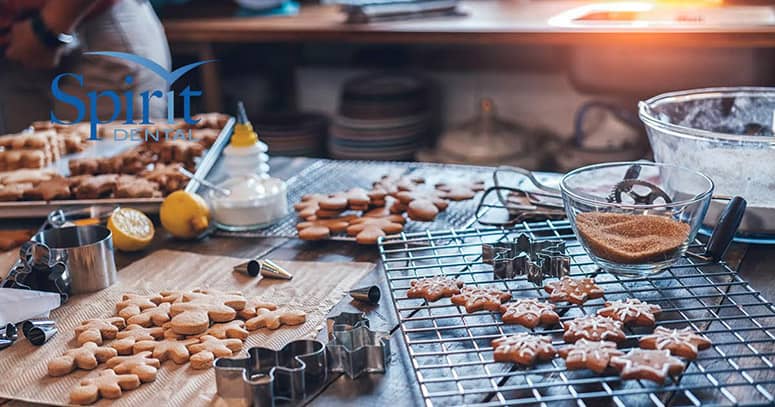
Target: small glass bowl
629, 238
255, 202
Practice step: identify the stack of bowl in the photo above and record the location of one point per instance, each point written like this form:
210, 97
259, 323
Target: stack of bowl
381, 117
293, 134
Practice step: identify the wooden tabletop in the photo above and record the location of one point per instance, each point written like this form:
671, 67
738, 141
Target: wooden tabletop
490, 22
398, 386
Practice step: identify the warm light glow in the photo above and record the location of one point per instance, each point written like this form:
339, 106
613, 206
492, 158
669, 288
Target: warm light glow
629, 14
570, 17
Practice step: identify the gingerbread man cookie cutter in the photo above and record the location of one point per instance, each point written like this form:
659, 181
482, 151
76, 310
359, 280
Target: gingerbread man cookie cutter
354, 348
525, 257
267, 376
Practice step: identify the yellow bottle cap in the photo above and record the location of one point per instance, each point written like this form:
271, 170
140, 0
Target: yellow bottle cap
244, 135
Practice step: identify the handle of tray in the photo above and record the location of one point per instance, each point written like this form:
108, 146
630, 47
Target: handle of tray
725, 229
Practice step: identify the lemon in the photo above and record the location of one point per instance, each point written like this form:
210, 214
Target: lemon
131, 229
184, 214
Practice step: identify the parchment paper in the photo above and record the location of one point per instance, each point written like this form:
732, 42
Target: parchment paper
315, 288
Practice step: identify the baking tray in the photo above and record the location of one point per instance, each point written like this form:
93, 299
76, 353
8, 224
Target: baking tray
327, 176
105, 148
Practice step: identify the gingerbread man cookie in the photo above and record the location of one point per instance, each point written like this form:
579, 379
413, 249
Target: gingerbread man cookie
157, 316
130, 186
434, 288
523, 348
167, 349
229, 330
274, 319
55, 188
253, 305
209, 347
368, 230
422, 205
593, 328
133, 304
107, 384
126, 339
308, 205
193, 315
480, 298
680, 342
460, 191
574, 291
320, 229
529, 313
592, 355
85, 357
631, 311
96, 187
392, 184
140, 364
95, 330
654, 365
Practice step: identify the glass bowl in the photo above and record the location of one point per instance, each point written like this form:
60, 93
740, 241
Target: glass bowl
631, 238
727, 134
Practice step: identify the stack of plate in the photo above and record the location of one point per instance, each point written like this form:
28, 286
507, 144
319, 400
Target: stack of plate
293, 134
381, 117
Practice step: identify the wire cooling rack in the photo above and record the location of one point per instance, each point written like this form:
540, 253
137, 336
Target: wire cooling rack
327, 176
453, 361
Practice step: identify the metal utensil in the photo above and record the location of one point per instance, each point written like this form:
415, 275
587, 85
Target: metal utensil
354, 348
88, 253
267, 376
204, 182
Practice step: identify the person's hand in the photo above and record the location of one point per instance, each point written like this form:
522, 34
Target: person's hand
25, 48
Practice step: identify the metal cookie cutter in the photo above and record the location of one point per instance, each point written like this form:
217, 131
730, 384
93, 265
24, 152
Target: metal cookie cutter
354, 348
523, 256
267, 376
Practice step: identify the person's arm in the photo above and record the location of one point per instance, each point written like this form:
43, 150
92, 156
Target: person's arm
62, 16
58, 16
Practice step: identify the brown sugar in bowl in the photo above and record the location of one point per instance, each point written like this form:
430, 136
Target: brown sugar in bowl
630, 238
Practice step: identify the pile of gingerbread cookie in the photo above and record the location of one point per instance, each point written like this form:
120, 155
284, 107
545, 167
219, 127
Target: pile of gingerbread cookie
369, 215
42, 144
149, 170
592, 339
196, 327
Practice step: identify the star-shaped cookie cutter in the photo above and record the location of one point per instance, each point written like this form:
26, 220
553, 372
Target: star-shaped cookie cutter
525, 257
354, 348
267, 376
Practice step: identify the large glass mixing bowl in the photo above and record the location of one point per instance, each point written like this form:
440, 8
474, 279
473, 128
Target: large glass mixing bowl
726, 134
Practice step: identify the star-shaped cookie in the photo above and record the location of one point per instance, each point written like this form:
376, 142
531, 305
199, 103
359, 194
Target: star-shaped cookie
631, 311
680, 342
523, 348
593, 328
434, 288
641, 364
480, 298
529, 312
592, 355
572, 290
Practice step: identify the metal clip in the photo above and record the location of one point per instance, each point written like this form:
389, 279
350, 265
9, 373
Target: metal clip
523, 256
355, 349
267, 375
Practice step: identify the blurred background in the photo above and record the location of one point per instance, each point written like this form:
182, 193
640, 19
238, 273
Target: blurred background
542, 84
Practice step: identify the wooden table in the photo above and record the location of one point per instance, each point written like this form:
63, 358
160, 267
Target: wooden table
198, 26
398, 386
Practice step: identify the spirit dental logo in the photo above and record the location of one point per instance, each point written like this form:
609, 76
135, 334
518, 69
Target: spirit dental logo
126, 99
